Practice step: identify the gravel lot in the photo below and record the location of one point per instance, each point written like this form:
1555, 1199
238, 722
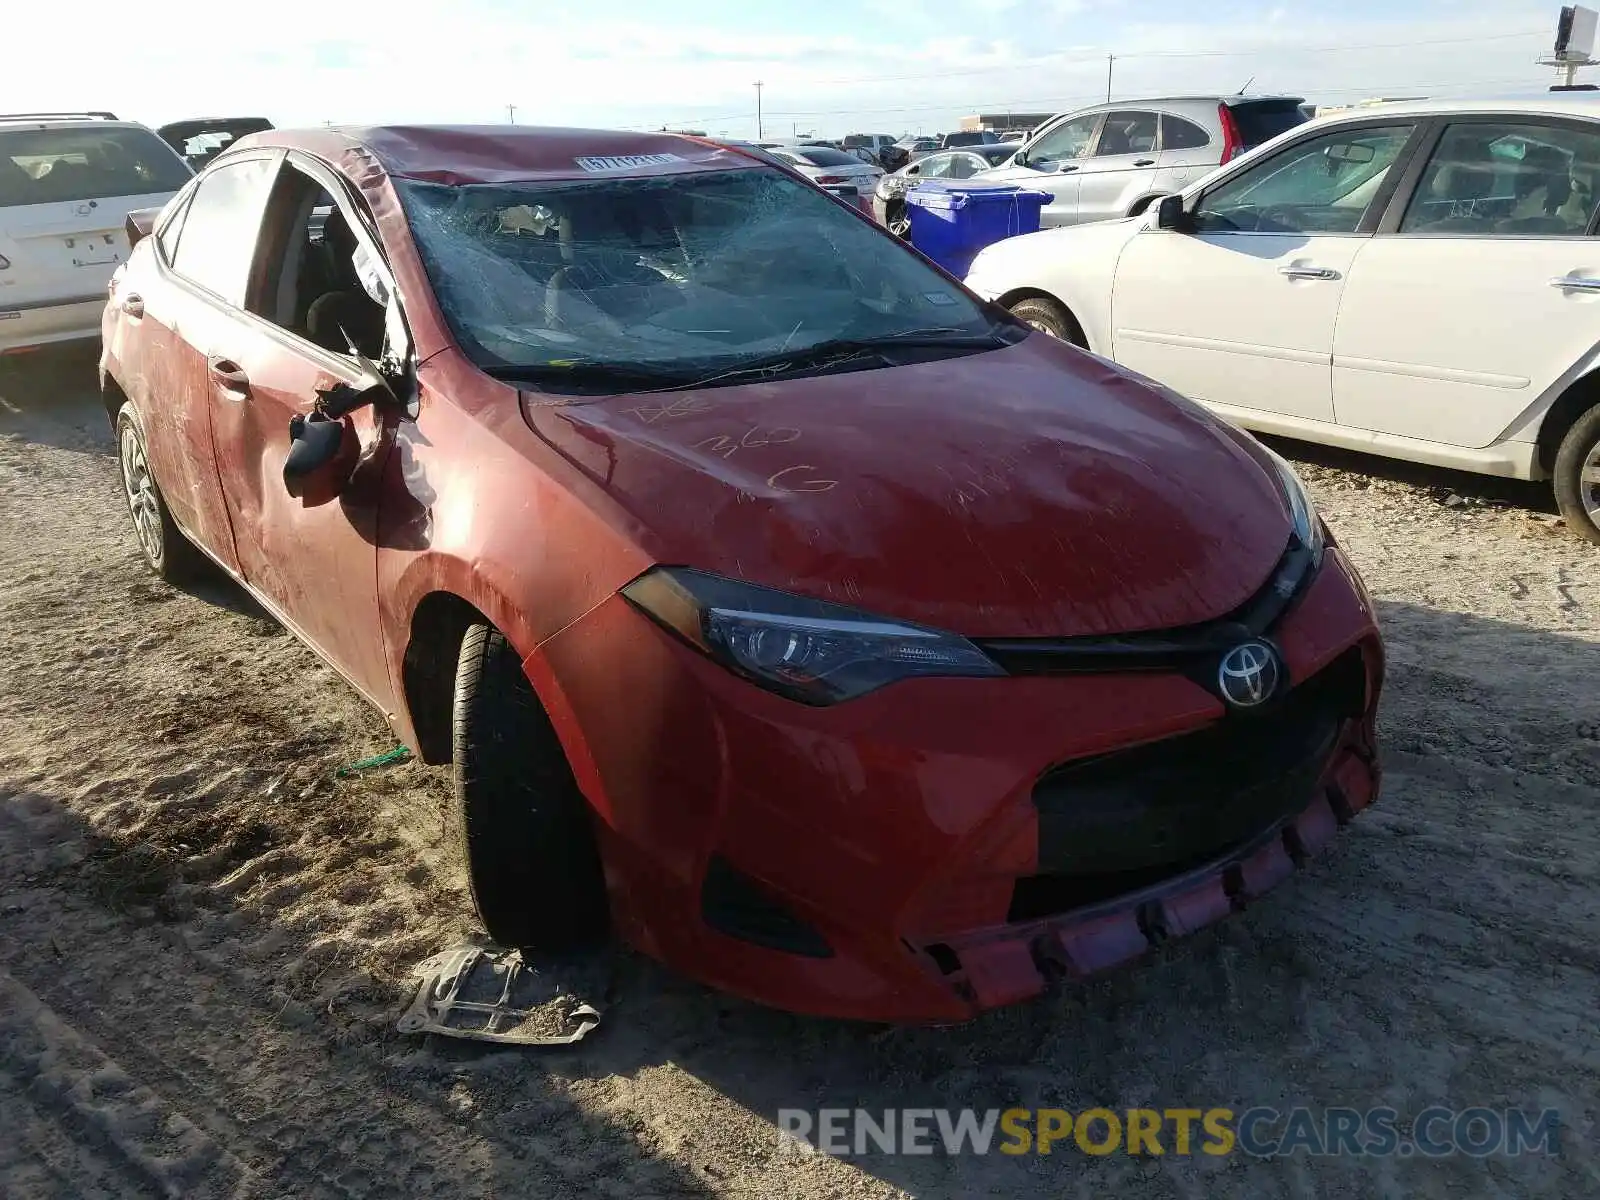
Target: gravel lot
205, 936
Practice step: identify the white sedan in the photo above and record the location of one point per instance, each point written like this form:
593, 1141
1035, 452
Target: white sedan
829, 167
1418, 280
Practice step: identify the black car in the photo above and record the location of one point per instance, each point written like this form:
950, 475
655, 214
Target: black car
971, 137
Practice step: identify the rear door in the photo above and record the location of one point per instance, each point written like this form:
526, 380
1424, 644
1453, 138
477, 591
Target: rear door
1480, 291
1187, 152
65, 191
1122, 167
206, 250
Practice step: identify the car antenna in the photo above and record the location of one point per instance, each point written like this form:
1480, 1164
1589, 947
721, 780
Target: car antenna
1247, 83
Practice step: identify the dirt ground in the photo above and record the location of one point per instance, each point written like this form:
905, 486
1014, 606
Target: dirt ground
205, 936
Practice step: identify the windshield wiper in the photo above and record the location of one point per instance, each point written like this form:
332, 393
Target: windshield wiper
844, 350
587, 374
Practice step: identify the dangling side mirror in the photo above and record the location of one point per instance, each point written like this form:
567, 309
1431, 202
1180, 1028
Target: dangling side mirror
323, 452
323, 447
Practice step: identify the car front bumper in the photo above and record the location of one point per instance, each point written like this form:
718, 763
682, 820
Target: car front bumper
900, 857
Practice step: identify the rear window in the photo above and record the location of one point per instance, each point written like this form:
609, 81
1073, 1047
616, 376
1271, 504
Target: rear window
822, 156
966, 139
1262, 120
44, 166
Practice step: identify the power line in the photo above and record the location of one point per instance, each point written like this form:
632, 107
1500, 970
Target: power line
1050, 60
1065, 103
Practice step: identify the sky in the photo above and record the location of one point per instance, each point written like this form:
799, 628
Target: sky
828, 67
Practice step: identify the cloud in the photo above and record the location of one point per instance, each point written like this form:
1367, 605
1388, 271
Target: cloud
903, 64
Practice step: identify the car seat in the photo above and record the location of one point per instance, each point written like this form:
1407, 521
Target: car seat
601, 242
343, 306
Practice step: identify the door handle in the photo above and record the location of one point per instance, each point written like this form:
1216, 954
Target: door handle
1576, 283
1308, 272
1067, 169
229, 375
1144, 162
133, 304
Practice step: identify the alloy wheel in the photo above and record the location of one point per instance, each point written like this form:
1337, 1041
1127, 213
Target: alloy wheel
1589, 483
140, 489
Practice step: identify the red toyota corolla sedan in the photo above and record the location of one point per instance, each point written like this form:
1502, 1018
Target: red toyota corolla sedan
820, 629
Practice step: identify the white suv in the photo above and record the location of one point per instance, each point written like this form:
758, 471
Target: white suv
67, 184
1420, 280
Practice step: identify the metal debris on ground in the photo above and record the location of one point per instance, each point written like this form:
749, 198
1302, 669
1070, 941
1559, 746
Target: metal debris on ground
398, 754
489, 994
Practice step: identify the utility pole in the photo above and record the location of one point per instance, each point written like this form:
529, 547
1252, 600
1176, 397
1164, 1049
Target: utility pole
1110, 58
761, 133
511, 114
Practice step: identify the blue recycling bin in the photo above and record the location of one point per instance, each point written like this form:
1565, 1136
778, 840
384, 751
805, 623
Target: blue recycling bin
951, 220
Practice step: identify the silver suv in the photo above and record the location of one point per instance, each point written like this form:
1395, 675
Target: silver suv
1113, 160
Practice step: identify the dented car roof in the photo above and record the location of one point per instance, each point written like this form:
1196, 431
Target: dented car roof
466, 154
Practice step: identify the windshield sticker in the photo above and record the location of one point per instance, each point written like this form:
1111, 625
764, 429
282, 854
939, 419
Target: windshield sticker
939, 298
626, 162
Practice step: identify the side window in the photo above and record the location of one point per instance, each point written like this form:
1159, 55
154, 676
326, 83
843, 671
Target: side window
317, 279
1321, 185
937, 166
1068, 140
1178, 134
218, 241
167, 239
1510, 180
1127, 133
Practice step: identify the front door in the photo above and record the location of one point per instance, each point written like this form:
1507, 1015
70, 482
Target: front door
316, 564
1122, 168
1241, 311
1050, 162
1485, 292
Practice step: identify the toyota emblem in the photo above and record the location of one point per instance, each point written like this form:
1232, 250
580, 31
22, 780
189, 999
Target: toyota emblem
1248, 674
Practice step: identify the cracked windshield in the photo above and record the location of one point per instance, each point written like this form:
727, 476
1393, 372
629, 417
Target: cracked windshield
683, 274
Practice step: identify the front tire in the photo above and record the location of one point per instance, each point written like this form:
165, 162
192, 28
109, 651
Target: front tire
1049, 317
166, 550
897, 219
525, 829
1577, 476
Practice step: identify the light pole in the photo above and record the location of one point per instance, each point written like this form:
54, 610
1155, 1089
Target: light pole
511, 114
760, 132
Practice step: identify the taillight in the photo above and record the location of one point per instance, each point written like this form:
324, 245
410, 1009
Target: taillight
833, 179
1232, 143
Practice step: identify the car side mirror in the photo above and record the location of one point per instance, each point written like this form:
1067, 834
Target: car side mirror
323, 452
323, 447
1171, 214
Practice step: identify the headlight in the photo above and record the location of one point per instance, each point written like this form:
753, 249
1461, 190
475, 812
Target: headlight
1307, 525
807, 650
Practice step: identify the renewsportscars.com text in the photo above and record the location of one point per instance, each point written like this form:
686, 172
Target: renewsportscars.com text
1259, 1132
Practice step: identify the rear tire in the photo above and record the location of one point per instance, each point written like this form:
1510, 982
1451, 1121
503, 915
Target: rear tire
1049, 317
525, 829
167, 552
1577, 476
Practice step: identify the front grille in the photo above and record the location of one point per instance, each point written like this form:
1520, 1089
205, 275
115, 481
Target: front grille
1190, 649
1118, 822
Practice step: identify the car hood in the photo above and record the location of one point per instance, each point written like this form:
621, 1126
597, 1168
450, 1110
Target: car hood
1027, 491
